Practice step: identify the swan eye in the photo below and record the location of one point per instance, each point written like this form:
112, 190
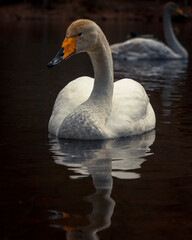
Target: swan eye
80, 34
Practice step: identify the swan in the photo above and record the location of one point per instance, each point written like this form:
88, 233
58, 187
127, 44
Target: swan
143, 48
98, 108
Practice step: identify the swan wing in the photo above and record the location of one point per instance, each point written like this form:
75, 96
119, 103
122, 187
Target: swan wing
131, 112
71, 96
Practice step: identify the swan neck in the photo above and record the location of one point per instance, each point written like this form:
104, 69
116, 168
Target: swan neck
101, 59
169, 34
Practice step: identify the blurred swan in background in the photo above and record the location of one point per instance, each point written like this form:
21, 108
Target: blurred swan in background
98, 108
143, 48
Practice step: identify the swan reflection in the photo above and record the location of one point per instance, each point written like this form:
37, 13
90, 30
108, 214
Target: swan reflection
101, 160
85, 157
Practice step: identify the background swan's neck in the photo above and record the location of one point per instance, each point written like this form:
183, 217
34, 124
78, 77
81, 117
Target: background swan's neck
170, 37
102, 92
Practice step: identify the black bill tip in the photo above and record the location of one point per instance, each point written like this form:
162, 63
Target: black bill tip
57, 59
50, 65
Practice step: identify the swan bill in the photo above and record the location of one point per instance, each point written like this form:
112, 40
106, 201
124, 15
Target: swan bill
179, 11
57, 59
68, 49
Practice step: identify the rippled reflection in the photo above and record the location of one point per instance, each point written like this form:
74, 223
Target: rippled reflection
156, 72
120, 155
102, 160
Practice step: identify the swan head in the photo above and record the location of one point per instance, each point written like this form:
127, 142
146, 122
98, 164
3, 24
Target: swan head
81, 36
173, 9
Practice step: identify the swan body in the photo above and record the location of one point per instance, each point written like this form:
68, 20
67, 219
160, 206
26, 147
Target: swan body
143, 48
98, 108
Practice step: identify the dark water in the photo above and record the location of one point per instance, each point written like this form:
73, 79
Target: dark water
139, 188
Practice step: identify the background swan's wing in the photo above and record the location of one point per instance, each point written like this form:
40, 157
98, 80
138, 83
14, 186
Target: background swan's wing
71, 96
142, 48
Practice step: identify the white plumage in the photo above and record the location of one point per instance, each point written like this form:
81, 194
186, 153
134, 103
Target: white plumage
131, 112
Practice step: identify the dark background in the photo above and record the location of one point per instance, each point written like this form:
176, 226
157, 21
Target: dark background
148, 10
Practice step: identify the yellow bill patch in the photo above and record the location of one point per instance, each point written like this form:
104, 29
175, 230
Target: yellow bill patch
69, 45
179, 11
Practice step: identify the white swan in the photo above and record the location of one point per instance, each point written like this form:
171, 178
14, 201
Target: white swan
97, 109
142, 48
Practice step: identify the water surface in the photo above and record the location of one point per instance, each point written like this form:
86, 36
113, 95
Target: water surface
138, 188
